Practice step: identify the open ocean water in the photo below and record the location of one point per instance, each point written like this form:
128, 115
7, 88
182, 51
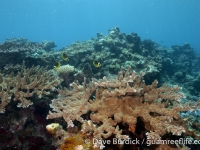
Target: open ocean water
167, 22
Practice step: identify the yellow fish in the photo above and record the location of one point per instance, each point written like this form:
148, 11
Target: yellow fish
56, 65
65, 57
96, 63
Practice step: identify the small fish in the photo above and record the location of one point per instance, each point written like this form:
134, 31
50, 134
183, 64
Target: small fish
96, 63
65, 57
56, 65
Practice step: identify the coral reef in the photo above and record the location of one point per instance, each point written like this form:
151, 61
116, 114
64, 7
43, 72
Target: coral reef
17, 49
122, 100
26, 84
112, 51
119, 107
48, 45
19, 45
75, 104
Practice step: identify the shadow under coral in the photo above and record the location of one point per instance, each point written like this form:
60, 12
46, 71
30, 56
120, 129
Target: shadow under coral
25, 128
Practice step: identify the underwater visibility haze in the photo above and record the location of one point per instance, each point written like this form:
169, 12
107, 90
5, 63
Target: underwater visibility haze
91, 75
65, 21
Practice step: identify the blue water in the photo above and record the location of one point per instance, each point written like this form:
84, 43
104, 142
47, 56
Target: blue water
167, 22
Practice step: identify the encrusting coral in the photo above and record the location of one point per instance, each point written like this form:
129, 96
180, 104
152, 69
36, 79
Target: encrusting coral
121, 100
27, 83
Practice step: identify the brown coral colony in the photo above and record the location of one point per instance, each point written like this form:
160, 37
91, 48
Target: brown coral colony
102, 103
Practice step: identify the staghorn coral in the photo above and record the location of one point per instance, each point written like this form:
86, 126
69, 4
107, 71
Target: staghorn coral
121, 100
27, 83
74, 106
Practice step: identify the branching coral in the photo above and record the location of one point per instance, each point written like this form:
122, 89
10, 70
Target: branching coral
27, 83
71, 104
121, 100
